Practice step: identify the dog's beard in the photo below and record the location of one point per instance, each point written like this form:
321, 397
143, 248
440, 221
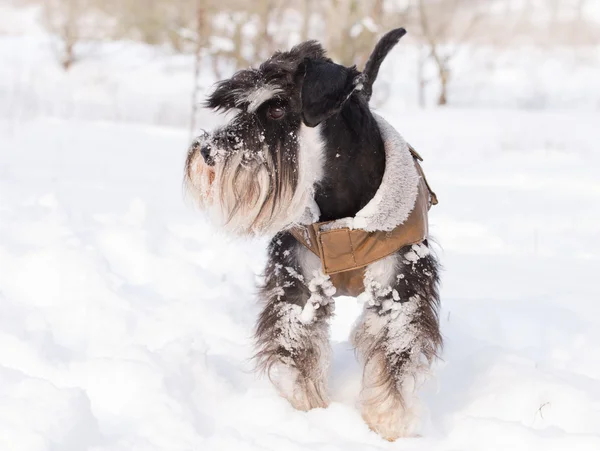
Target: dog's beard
255, 197
199, 178
246, 198
260, 194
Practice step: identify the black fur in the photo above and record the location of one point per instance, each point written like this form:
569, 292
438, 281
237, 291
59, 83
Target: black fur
325, 88
354, 163
355, 155
383, 47
281, 69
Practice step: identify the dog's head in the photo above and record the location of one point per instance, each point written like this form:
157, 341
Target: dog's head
256, 173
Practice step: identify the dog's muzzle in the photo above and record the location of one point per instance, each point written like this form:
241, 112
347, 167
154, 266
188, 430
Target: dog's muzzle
203, 145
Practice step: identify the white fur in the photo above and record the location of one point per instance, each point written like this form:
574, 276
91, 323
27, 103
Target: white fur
311, 156
287, 382
309, 262
260, 95
384, 270
395, 199
378, 280
384, 415
242, 221
197, 180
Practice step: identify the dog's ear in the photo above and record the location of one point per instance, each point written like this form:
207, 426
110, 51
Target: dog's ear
223, 97
325, 88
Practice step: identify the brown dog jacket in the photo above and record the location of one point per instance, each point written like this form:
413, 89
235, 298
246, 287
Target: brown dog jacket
345, 250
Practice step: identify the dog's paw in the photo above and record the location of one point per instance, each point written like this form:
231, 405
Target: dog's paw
302, 393
306, 396
391, 423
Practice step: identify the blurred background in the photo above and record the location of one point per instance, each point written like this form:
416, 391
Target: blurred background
100, 58
126, 319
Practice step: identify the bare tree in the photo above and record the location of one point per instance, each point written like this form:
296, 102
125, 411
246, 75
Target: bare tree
237, 33
347, 25
250, 32
307, 6
445, 25
70, 21
200, 43
354, 26
264, 40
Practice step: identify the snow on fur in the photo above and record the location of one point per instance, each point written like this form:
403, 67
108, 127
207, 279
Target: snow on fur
417, 251
321, 293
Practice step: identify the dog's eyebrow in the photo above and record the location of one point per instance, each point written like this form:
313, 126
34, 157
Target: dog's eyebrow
260, 95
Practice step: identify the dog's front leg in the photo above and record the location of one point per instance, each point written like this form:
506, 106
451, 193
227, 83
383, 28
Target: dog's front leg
292, 330
397, 338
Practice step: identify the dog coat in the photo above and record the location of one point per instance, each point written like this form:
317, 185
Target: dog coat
395, 217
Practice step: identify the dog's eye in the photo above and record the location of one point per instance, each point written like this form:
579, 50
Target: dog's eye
275, 112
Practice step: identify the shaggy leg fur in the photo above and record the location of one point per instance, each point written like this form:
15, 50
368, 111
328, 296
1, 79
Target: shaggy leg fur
292, 331
397, 338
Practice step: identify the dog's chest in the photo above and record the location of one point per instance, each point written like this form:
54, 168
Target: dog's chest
353, 171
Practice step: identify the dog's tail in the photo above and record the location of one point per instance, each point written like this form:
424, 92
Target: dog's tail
383, 47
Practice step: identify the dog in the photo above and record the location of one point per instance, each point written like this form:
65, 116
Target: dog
305, 161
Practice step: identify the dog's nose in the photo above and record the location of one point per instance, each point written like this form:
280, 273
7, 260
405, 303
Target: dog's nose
205, 152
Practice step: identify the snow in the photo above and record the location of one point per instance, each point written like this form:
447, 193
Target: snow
126, 320
321, 292
417, 252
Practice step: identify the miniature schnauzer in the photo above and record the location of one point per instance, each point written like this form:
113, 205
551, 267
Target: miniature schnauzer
304, 153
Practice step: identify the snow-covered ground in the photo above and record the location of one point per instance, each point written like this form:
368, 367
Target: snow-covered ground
126, 320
